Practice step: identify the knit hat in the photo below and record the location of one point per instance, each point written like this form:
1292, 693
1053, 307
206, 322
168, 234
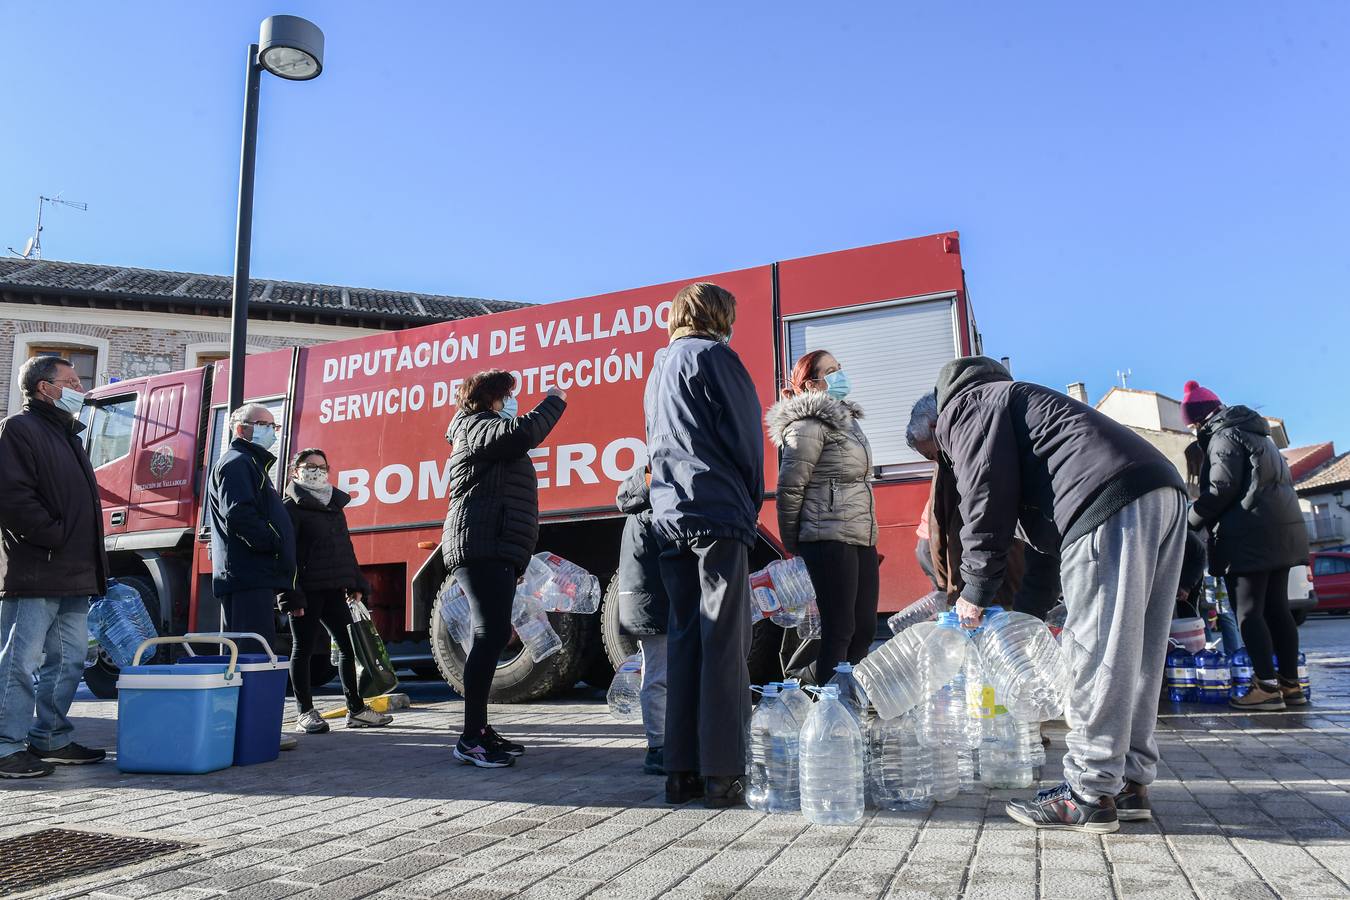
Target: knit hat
1197, 403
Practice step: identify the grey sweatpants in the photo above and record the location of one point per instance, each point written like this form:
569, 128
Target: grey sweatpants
1120, 587
707, 681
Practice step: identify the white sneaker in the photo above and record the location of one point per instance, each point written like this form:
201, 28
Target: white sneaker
288, 742
368, 718
311, 723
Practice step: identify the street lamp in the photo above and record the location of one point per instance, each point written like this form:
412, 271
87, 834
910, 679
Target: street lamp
291, 48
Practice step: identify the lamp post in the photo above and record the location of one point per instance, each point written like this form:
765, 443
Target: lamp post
291, 48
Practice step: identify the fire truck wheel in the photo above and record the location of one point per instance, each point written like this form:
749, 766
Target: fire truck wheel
519, 679
618, 646
100, 675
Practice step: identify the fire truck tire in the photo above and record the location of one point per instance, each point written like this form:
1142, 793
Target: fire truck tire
100, 675
618, 646
519, 679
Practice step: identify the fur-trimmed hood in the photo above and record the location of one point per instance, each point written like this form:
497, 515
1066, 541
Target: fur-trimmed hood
834, 412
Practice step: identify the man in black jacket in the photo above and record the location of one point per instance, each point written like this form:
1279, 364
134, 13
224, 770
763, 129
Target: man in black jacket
1106, 512
252, 541
51, 565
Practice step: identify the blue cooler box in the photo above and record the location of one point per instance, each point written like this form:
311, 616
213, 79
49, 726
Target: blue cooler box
176, 719
262, 703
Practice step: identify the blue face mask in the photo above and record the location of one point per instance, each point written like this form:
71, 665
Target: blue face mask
264, 435
836, 384
509, 408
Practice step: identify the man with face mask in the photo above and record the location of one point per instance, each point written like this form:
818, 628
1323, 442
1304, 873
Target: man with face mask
252, 540
51, 565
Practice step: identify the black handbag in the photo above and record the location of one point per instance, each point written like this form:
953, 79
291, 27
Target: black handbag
374, 672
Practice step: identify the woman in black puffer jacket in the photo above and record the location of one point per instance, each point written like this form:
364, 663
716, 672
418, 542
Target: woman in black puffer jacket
1247, 502
490, 533
327, 572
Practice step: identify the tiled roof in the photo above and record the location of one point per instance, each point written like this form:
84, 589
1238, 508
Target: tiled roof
1328, 475
1303, 460
213, 291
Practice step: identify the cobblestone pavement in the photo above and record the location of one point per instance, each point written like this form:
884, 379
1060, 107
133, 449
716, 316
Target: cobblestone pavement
1247, 807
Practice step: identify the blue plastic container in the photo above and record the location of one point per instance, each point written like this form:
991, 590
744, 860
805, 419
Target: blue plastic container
262, 703
1180, 676
177, 720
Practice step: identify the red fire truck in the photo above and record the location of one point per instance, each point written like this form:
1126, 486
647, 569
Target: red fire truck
379, 405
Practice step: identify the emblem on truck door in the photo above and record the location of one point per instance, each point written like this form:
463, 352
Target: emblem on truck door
162, 462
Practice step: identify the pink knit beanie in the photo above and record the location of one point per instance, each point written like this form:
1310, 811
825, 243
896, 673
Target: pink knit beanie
1197, 403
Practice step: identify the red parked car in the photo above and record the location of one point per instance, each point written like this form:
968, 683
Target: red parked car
1331, 580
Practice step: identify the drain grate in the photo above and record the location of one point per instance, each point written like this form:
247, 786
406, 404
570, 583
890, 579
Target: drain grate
55, 854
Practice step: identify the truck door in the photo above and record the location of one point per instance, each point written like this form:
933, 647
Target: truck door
166, 452
111, 424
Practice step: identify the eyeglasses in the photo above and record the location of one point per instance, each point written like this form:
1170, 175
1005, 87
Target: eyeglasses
323, 469
71, 382
261, 422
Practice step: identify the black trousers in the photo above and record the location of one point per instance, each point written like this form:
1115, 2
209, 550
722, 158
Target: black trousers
490, 587
254, 611
707, 681
847, 579
324, 611
1261, 600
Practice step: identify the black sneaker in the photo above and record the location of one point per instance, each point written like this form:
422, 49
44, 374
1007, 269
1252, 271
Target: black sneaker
681, 787
478, 753
655, 761
71, 754
1060, 809
1132, 803
24, 765
722, 791
496, 741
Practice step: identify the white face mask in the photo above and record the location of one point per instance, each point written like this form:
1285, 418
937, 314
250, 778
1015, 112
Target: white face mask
510, 407
264, 435
71, 401
312, 478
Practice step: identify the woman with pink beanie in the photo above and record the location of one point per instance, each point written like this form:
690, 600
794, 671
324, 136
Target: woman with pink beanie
1256, 534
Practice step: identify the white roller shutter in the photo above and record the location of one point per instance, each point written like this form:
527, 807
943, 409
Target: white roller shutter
892, 355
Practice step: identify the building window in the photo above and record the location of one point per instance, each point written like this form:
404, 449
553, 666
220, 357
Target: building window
87, 353
84, 359
196, 356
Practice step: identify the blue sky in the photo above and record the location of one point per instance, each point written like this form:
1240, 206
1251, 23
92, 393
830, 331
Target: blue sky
1160, 187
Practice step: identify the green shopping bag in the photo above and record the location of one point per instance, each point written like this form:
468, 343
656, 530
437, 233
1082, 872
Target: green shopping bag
374, 672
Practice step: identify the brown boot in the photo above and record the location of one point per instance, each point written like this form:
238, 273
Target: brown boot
1262, 698
1293, 693
1132, 803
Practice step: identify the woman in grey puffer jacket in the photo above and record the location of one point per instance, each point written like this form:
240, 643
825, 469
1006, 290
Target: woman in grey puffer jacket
826, 514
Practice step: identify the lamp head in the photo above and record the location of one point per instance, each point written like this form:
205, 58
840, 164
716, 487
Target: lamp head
290, 47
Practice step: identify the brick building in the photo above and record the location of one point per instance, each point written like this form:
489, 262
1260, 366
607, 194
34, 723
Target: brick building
114, 322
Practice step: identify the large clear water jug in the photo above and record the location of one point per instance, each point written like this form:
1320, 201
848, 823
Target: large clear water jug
624, 695
890, 675
1025, 664
831, 753
926, 609
774, 759
944, 717
899, 768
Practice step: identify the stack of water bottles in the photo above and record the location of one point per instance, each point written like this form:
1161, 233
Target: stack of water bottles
119, 622
782, 592
1211, 677
551, 584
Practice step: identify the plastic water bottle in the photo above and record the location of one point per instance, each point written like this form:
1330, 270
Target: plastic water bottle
1036, 748
569, 588
967, 768
457, 617
808, 625
1303, 680
119, 622
792, 589
944, 720
624, 690
831, 753
946, 768
851, 693
890, 675
798, 704
1241, 669
532, 625
763, 598
774, 761
899, 768
1025, 664
1009, 763
925, 609
1180, 675
1212, 676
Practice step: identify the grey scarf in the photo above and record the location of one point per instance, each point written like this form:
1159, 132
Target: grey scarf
322, 494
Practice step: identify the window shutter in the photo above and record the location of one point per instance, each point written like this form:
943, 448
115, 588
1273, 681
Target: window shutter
892, 355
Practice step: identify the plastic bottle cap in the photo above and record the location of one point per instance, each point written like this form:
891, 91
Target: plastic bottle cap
770, 690
844, 667
829, 691
949, 620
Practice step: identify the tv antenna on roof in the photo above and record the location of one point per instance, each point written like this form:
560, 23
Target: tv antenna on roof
1124, 376
32, 248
